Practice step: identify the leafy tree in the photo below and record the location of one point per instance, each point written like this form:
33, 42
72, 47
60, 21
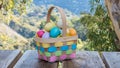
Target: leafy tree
8, 7
100, 33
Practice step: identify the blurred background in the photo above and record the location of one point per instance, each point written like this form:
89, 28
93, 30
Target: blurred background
20, 19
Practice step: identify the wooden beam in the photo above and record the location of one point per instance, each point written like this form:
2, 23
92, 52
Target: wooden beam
111, 59
8, 58
113, 7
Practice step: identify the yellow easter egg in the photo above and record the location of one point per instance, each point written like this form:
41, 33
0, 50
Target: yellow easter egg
70, 42
49, 26
45, 45
72, 32
68, 32
58, 44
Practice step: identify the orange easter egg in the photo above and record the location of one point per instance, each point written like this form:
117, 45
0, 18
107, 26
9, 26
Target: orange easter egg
72, 32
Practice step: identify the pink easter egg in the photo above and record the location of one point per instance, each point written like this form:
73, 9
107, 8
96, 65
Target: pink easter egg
40, 33
53, 59
39, 56
63, 57
46, 35
45, 58
72, 56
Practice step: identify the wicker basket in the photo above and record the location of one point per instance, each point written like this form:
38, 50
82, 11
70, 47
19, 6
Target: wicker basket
57, 49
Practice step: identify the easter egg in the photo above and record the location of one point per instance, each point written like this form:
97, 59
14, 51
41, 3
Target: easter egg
72, 32
68, 32
46, 35
45, 45
55, 32
58, 44
49, 26
40, 33
70, 42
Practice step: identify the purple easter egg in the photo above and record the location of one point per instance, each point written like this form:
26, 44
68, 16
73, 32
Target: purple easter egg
46, 35
40, 33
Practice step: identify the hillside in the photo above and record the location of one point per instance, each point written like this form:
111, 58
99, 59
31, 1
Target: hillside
9, 39
30, 23
20, 33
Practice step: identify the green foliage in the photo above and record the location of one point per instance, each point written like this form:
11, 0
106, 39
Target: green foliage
99, 29
7, 8
54, 18
7, 42
96, 26
81, 30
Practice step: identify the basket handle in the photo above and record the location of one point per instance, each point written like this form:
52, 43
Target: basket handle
63, 17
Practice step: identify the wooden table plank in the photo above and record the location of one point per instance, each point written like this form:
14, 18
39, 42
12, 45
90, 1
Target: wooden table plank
85, 59
30, 60
111, 59
8, 58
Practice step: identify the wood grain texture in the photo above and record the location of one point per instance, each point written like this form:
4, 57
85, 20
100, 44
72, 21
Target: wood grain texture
8, 58
111, 59
53, 40
113, 7
86, 59
30, 60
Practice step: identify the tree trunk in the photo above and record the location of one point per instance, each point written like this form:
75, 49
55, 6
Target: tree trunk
113, 7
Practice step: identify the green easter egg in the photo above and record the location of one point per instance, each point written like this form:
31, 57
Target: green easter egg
58, 53
47, 54
68, 51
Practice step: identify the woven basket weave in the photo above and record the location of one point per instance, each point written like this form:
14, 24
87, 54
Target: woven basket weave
57, 49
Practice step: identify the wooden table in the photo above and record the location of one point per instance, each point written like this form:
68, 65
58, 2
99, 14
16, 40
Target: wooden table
30, 60
84, 59
8, 58
111, 59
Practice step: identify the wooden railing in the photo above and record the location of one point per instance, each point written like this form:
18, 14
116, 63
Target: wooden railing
84, 59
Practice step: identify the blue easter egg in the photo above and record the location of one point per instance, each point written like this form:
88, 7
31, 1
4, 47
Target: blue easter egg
64, 48
36, 47
55, 32
74, 46
52, 49
42, 49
